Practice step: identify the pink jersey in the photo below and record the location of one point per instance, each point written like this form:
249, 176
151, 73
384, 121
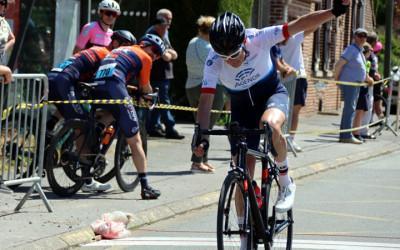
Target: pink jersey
93, 35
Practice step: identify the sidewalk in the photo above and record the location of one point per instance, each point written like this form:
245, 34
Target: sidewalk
168, 166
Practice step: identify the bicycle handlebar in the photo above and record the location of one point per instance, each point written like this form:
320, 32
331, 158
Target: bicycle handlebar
237, 132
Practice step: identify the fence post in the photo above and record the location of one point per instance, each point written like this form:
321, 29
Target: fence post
290, 84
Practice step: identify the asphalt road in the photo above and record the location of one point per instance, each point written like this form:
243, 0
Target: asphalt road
354, 207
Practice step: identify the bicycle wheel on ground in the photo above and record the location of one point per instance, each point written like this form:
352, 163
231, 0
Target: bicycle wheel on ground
66, 172
281, 222
228, 231
127, 176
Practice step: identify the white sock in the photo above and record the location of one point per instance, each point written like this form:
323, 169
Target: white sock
284, 178
291, 137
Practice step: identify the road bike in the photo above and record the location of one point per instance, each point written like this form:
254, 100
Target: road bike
260, 225
76, 154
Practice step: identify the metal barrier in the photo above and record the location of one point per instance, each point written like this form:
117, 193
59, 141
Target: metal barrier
23, 132
290, 84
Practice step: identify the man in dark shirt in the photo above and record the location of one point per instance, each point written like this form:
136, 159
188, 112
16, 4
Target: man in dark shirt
161, 74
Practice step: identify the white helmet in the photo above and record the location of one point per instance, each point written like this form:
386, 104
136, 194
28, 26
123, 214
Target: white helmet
110, 5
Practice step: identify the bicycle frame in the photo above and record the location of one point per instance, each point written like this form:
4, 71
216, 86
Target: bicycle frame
266, 225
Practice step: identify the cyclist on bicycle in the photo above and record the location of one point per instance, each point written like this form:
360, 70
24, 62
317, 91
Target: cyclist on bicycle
117, 69
81, 67
241, 60
98, 33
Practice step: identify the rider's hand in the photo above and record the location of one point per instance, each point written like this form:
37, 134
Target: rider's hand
340, 7
132, 90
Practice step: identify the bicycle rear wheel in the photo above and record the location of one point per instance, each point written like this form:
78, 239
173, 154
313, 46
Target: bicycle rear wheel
228, 231
127, 176
65, 172
280, 223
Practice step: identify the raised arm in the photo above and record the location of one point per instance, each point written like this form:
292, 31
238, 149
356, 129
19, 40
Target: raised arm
314, 19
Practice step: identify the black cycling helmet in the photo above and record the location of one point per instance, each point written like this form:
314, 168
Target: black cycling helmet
154, 40
124, 36
227, 33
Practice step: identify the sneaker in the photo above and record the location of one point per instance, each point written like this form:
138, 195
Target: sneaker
286, 198
350, 140
156, 133
174, 135
95, 186
297, 147
149, 194
369, 136
5, 190
361, 138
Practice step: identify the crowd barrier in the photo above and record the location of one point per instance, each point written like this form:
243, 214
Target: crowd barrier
23, 132
290, 84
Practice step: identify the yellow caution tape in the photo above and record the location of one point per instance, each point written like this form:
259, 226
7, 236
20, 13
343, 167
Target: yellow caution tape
385, 81
337, 131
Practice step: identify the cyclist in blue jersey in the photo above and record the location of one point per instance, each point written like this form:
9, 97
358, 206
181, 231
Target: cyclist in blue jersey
241, 60
81, 67
117, 69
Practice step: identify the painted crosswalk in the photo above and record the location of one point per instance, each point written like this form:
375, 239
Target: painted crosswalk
211, 242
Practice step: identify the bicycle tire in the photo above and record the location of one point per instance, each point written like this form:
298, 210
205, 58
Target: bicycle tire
228, 235
113, 172
126, 173
61, 160
283, 238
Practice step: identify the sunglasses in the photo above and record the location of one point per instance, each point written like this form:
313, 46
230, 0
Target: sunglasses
155, 51
110, 13
3, 3
362, 36
234, 55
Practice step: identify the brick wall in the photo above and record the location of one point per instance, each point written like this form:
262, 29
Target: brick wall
341, 34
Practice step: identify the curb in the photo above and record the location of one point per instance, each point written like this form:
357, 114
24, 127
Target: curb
86, 234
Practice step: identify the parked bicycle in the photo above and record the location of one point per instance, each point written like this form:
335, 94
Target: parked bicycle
76, 153
261, 225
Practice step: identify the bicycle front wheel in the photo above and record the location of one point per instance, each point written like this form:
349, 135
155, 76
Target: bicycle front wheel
127, 176
229, 232
65, 172
280, 225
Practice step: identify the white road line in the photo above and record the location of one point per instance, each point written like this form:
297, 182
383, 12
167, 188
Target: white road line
188, 241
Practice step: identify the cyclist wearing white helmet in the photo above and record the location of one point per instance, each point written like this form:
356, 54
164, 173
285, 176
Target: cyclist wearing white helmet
99, 33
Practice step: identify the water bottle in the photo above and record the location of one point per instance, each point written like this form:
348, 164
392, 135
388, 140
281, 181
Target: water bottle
257, 191
107, 134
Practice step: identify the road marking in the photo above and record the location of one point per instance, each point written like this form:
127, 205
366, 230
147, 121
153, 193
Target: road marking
348, 215
188, 241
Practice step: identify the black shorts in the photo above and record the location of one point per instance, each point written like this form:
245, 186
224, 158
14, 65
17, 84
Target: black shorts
362, 103
249, 116
301, 92
124, 114
377, 92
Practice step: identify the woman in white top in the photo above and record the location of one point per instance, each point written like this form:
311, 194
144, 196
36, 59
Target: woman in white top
196, 55
7, 38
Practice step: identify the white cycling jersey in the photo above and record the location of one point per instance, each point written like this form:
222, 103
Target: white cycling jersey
257, 66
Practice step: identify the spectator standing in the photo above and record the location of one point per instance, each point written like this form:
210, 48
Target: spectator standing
161, 74
7, 74
292, 53
377, 107
99, 33
351, 68
196, 55
7, 38
372, 39
276, 55
363, 97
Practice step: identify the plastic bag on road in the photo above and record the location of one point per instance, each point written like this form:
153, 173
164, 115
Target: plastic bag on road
113, 225
110, 229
